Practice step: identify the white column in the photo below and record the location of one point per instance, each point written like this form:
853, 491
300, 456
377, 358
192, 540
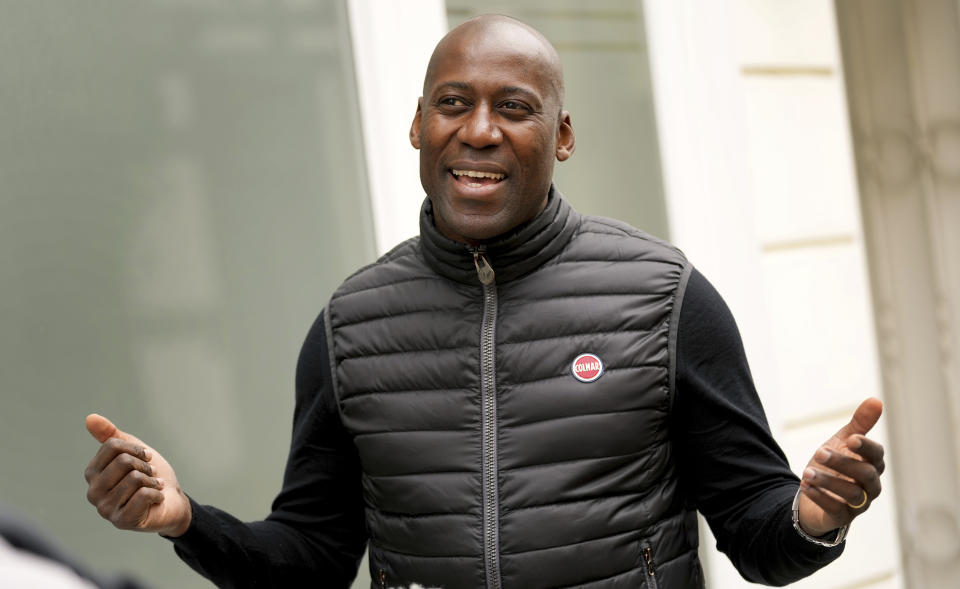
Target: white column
761, 195
392, 42
698, 96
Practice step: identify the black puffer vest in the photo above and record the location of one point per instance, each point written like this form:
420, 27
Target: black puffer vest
490, 457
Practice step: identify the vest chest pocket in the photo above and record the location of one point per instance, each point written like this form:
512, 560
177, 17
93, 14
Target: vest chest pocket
647, 566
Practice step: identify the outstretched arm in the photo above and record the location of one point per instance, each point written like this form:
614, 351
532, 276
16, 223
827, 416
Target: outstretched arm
732, 469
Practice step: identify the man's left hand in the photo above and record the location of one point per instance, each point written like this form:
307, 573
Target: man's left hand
843, 477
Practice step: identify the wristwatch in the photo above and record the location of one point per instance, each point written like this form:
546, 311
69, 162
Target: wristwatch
841, 532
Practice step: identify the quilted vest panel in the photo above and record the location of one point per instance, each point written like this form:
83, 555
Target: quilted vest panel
583, 487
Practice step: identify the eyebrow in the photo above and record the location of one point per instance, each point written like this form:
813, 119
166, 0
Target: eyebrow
457, 85
519, 90
504, 89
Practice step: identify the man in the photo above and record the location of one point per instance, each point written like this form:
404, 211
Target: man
520, 397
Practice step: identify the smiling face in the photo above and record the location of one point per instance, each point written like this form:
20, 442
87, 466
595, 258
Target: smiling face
488, 127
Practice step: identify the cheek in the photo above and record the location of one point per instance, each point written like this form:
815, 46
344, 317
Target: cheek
537, 148
434, 132
538, 161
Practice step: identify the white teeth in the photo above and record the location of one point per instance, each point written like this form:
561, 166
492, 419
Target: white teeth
473, 174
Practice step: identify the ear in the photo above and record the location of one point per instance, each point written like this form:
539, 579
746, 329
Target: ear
566, 141
415, 126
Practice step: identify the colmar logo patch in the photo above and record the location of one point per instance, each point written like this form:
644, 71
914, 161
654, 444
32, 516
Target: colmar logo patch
587, 368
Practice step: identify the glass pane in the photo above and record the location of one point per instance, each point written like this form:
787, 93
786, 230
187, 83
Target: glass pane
615, 171
183, 187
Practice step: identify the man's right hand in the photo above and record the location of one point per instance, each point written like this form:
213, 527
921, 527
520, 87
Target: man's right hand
131, 485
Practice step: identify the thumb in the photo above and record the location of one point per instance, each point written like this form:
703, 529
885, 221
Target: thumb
864, 418
103, 429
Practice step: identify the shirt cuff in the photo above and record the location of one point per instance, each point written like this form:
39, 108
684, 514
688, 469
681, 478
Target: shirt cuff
200, 525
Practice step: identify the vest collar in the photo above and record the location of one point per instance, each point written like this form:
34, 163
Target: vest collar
512, 255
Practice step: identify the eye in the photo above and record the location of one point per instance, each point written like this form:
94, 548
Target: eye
451, 101
514, 105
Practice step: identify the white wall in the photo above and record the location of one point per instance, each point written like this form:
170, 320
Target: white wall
762, 197
903, 80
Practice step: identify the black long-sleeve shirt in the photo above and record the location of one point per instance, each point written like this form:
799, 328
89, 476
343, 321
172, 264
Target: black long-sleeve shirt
730, 468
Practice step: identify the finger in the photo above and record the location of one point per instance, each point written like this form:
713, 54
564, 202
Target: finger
871, 451
851, 470
863, 420
109, 451
136, 510
114, 473
131, 484
850, 492
112, 500
103, 429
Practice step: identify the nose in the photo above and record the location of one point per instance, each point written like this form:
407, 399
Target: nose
480, 129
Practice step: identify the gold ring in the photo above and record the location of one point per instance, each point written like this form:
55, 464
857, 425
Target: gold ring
861, 504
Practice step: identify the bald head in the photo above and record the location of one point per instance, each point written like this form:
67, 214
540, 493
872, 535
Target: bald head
507, 34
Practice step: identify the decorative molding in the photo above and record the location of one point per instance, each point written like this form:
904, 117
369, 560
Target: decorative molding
899, 156
479, 8
938, 217
943, 141
787, 70
809, 242
908, 173
935, 531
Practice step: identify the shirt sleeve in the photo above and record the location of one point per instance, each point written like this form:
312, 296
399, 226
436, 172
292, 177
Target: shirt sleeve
730, 467
315, 533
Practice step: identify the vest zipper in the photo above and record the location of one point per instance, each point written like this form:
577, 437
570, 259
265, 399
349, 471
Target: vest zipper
488, 399
484, 271
651, 573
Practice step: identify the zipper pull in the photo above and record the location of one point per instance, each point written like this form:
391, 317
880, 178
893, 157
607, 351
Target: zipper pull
648, 556
484, 270
383, 579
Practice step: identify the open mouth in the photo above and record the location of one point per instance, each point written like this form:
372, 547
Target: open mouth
475, 179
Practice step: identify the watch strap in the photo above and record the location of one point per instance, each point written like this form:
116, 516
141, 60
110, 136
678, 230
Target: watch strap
841, 532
